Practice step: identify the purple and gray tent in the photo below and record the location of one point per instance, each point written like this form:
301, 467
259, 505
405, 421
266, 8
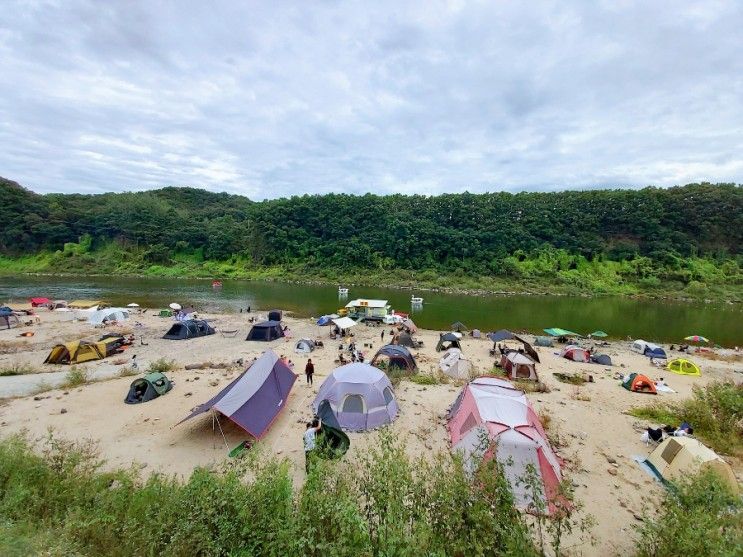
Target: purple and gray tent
360, 397
256, 397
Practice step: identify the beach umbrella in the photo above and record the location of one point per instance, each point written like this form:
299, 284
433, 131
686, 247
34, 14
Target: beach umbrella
558, 332
498, 336
599, 334
175, 306
132, 305
696, 338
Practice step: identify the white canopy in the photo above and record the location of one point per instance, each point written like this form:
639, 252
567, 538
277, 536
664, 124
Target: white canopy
363, 302
344, 322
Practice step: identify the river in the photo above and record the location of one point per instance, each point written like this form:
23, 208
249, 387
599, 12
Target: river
658, 320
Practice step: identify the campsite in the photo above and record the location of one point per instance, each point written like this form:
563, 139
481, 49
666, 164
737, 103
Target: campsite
588, 425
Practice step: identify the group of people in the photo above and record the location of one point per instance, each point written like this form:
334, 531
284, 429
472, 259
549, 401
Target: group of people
658, 434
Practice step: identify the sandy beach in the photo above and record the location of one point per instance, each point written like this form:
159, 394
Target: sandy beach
597, 438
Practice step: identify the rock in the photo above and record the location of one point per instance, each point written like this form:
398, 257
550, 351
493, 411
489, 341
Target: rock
612, 471
63, 411
59, 397
188, 394
143, 465
196, 378
37, 406
213, 383
610, 460
574, 484
37, 397
66, 393
146, 419
638, 517
615, 465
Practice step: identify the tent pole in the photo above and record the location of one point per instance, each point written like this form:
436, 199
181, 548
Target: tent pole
222, 432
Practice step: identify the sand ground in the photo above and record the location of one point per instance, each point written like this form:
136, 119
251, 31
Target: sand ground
597, 438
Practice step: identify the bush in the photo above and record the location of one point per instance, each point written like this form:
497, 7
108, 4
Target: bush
16, 369
162, 365
75, 377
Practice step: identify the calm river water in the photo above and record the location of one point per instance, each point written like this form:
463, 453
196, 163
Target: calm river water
652, 320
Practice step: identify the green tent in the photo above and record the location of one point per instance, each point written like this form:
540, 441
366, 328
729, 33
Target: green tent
598, 334
558, 332
148, 387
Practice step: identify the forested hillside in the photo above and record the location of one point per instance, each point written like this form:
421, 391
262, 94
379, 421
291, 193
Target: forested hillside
682, 234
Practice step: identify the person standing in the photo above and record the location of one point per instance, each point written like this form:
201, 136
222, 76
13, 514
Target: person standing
382, 335
309, 371
310, 442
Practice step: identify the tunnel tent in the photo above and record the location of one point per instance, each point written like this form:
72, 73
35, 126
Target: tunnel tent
147, 388
266, 331
304, 346
395, 355
190, 328
446, 341
80, 351
274, 315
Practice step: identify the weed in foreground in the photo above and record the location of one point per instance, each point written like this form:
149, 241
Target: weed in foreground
75, 377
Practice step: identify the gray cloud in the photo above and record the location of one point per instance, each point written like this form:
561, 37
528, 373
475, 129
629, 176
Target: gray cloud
277, 99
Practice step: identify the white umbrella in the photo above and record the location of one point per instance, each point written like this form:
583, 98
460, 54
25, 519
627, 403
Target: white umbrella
132, 305
175, 306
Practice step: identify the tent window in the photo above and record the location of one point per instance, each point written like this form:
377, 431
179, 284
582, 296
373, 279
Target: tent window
523, 371
387, 395
468, 424
353, 404
671, 450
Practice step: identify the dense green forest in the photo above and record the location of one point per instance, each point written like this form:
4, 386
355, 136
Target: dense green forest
683, 239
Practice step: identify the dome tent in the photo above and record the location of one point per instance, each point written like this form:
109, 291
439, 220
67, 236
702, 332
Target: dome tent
304, 346
360, 397
639, 383
575, 353
519, 366
266, 331
396, 356
446, 341
684, 367
190, 328
148, 388
453, 364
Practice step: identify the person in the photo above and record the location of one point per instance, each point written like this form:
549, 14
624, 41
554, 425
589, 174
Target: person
683, 430
309, 370
248, 309
135, 365
382, 335
310, 442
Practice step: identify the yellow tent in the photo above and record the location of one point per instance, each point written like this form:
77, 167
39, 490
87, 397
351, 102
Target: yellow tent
677, 457
684, 367
81, 351
83, 304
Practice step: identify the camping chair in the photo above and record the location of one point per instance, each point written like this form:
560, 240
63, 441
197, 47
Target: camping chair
228, 334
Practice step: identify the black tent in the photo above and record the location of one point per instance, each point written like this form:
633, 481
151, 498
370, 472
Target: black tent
266, 331
404, 339
331, 441
451, 339
189, 329
274, 315
398, 356
148, 387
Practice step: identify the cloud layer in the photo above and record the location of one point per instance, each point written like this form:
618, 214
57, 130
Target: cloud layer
272, 99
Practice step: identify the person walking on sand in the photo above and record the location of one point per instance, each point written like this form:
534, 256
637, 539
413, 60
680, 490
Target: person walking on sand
309, 371
310, 438
382, 335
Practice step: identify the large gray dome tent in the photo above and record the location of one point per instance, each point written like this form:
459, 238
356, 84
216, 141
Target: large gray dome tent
396, 355
190, 328
265, 331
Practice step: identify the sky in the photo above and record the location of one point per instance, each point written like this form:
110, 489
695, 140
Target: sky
274, 99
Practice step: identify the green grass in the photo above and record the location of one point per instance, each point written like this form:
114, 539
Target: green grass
424, 379
715, 412
75, 377
17, 369
162, 365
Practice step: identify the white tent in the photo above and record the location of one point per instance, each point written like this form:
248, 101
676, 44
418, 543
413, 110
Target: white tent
453, 364
108, 314
344, 322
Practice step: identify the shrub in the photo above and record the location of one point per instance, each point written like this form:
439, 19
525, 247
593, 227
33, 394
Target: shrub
162, 365
424, 379
75, 377
16, 369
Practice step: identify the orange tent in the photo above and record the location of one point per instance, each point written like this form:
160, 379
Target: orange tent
639, 383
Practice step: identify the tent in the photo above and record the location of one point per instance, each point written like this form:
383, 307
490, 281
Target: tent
451, 339
360, 397
9, 321
265, 331
408, 324
326, 319
36, 302
191, 328
639, 383
404, 339
501, 335
148, 387
602, 359
598, 334
476, 333
331, 441
543, 341
304, 346
677, 457
80, 351
528, 348
518, 366
648, 349
106, 315
58, 305
684, 367
459, 326
274, 315
397, 356
255, 397
344, 322
558, 332
453, 364
493, 409
575, 353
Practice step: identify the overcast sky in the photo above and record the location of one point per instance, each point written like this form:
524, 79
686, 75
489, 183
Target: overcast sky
271, 99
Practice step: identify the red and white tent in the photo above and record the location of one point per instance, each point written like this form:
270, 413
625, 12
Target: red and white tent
576, 353
493, 409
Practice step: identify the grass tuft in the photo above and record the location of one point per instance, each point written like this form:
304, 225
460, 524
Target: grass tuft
17, 369
75, 377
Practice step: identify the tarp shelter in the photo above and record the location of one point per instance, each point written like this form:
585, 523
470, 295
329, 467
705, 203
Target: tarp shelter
408, 324
256, 397
148, 388
274, 315
602, 359
80, 351
598, 334
395, 356
558, 332
494, 409
344, 322
639, 383
191, 328
360, 397
453, 364
575, 353
404, 339
459, 326
36, 302
543, 341
679, 457
331, 442
518, 366
304, 346
84, 304
265, 331
684, 367
9, 321
446, 341
501, 335
103, 316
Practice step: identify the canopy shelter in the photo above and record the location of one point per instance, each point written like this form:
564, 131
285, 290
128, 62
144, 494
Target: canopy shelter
359, 396
190, 328
36, 302
255, 398
493, 409
558, 332
304, 346
684, 367
80, 351
501, 335
409, 326
598, 334
696, 338
344, 322
453, 364
109, 315
518, 366
148, 388
9, 321
446, 341
265, 331
459, 326
395, 355
639, 383
84, 304
680, 457
575, 353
